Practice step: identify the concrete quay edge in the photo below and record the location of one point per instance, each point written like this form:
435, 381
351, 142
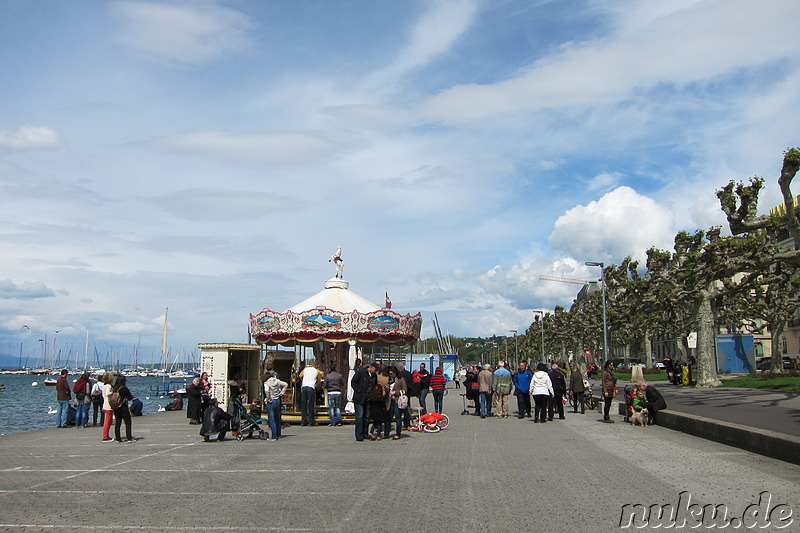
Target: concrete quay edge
761, 441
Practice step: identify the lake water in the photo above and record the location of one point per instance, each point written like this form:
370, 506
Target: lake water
24, 407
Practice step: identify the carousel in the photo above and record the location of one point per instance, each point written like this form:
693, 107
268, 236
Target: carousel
339, 326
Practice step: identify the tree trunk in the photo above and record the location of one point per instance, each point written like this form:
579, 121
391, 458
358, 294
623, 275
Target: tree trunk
647, 349
776, 327
706, 360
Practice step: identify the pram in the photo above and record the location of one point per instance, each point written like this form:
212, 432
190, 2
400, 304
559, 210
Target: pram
247, 424
628, 393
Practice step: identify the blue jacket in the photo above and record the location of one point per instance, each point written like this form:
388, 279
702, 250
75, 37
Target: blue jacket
522, 381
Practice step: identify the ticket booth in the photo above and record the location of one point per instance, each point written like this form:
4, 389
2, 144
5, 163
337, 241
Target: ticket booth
225, 362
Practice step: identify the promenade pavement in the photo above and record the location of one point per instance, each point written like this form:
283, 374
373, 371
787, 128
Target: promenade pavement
479, 474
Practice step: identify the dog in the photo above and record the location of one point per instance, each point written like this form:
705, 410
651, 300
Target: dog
640, 417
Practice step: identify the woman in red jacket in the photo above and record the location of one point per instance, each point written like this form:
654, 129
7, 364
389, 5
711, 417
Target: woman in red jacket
438, 383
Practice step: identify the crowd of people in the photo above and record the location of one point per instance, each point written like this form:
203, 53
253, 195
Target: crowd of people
109, 398
381, 397
540, 392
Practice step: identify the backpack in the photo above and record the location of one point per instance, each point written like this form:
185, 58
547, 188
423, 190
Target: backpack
80, 395
115, 400
375, 394
402, 400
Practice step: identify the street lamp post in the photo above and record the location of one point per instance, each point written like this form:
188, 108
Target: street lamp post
603, 289
541, 326
516, 352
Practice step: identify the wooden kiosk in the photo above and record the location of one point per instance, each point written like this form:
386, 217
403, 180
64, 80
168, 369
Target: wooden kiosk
224, 362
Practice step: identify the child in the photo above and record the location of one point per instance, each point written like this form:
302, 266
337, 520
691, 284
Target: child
638, 400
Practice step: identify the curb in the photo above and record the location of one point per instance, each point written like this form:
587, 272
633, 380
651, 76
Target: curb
761, 441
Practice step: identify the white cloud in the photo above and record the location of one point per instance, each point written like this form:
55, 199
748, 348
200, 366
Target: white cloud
221, 204
284, 147
24, 291
620, 223
696, 43
194, 33
603, 182
29, 138
432, 36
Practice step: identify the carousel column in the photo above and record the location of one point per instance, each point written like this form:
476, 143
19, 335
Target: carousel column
352, 355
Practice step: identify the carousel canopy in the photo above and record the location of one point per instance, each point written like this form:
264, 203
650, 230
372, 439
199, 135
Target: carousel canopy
335, 314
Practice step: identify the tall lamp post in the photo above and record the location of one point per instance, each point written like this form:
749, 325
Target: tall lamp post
516, 352
541, 326
603, 289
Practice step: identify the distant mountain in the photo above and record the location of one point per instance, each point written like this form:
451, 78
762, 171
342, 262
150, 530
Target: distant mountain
12, 361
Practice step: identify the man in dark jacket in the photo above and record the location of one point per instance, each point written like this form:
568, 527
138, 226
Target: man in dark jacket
215, 420
556, 403
362, 382
655, 402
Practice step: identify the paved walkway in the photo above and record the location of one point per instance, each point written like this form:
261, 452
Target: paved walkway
777, 411
478, 475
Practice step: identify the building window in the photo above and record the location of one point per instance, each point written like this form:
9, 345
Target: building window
784, 345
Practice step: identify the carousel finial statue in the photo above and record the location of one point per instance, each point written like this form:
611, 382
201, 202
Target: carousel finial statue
338, 261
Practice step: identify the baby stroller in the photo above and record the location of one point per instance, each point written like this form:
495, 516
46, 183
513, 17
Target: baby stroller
629, 389
248, 424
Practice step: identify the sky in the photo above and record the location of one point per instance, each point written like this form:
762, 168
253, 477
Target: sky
209, 156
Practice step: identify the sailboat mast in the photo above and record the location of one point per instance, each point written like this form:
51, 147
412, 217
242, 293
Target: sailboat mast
164, 335
86, 353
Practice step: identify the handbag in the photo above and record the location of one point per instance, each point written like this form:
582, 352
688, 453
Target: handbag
402, 400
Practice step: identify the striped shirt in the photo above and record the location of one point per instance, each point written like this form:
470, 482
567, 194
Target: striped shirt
437, 380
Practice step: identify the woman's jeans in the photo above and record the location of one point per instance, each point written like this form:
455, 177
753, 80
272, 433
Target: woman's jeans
122, 415
607, 406
335, 408
273, 410
81, 414
540, 407
438, 397
393, 413
578, 398
97, 409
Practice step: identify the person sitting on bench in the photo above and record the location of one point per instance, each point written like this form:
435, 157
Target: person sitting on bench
654, 401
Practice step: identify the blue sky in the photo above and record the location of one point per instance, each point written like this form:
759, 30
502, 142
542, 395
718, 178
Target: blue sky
210, 156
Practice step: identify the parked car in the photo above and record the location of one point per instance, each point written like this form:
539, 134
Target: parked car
765, 363
660, 365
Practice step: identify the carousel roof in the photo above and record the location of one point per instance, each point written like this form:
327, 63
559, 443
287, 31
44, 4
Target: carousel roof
337, 296
335, 314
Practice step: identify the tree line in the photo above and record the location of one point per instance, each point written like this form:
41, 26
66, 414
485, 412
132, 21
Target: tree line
748, 280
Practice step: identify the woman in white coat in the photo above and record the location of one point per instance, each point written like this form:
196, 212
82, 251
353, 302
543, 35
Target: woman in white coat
541, 390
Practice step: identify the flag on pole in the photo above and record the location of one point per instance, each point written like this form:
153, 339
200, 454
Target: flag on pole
388, 301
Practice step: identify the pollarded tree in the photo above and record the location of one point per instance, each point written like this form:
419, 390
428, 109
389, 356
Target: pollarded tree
628, 316
703, 268
780, 264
